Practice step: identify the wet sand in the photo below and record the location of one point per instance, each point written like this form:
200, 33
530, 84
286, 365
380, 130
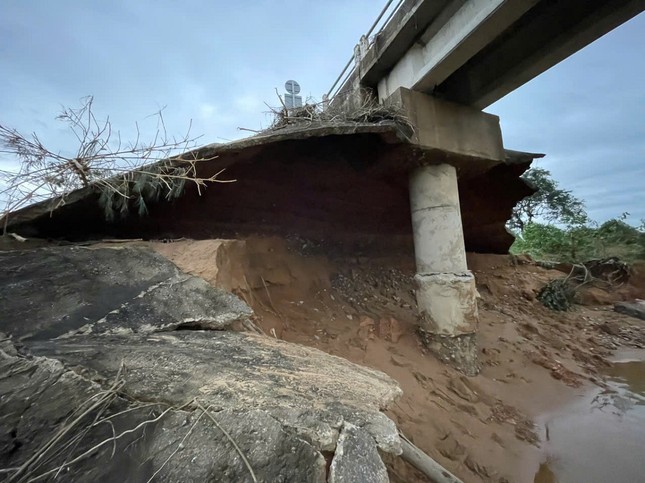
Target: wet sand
539, 367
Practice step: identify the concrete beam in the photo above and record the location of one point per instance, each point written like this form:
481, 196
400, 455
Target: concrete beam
547, 34
461, 30
396, 38
474, 52
456, 130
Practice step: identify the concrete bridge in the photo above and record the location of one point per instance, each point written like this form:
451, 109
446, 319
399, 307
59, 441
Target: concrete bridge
474, 52
347, 183
443, 61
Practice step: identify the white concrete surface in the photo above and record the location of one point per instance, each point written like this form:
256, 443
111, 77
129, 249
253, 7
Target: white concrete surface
446, 292
452, 128
448, 303
448, 43
436, 220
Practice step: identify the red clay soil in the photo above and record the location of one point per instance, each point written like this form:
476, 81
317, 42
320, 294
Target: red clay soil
363, 309
333, 189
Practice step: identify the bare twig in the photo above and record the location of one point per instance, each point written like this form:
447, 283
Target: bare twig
104, 442
125, 174
361, 108
237, 448
75, 428
97, 400
280, 98
179, 446
266, 288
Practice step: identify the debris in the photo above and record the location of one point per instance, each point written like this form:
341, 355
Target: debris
557, 295
17, 237
425, 464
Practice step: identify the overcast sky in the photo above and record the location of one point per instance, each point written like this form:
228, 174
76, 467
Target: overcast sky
216, 62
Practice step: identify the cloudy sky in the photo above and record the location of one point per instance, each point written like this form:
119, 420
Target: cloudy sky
217, 62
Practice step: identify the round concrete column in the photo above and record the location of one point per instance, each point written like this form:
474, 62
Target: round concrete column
436, 220
446, 292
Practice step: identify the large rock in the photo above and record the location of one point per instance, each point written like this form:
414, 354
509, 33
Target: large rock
281, 404
356, 458
633, 309
56, 423
230, 370
50, 292
104, 387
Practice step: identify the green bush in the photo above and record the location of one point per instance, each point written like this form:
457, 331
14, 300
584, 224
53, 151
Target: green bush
552, 225
557, 295
614, 238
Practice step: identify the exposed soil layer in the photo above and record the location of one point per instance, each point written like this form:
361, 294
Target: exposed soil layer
363, 309
347, 189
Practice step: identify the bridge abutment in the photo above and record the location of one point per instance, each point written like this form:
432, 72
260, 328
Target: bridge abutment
446, 293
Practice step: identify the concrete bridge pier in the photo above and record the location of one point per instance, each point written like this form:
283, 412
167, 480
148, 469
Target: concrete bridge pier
446, 292
451, 135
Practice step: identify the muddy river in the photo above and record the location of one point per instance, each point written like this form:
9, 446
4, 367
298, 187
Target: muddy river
601, 436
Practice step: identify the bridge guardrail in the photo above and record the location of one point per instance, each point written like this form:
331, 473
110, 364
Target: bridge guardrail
365, 43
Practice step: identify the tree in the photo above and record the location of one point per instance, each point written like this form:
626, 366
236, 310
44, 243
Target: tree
540, 241
617, 238
549, 203
125, 174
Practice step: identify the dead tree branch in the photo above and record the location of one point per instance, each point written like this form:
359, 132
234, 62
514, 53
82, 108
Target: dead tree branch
425, 463
361, 108
126, 175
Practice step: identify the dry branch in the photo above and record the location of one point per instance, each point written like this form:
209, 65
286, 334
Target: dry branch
179, 446
361, 108
425, 463
229, 437
92, 413
52, 447
126, 175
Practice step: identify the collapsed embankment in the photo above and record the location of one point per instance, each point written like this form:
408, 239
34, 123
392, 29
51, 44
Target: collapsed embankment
363, 309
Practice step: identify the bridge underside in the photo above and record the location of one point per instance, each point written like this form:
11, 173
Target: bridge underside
442, 61
475, 52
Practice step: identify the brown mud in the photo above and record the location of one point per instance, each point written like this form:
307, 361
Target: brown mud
600, 435
485, 428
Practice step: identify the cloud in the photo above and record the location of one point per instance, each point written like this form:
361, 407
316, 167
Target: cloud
207, 111
248, 103
218, 62
587, 116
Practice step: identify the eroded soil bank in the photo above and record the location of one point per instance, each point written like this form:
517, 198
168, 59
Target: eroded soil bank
488, 428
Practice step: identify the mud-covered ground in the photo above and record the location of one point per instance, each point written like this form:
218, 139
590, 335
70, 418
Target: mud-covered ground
483, 428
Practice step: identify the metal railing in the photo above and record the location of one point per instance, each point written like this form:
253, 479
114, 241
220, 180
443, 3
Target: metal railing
348, 70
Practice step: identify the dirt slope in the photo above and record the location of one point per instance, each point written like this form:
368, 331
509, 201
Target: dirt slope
363, 309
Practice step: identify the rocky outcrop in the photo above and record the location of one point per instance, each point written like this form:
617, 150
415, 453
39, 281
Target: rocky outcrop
233, 371
59, 424
100, 383
51, 292
634, 309
356, 458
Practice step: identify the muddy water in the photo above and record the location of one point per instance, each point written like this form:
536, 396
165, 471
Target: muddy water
600, 437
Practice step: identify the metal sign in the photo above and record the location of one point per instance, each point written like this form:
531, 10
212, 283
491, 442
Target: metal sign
292, 99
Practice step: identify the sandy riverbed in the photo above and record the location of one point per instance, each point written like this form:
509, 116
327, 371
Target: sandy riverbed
492, 427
